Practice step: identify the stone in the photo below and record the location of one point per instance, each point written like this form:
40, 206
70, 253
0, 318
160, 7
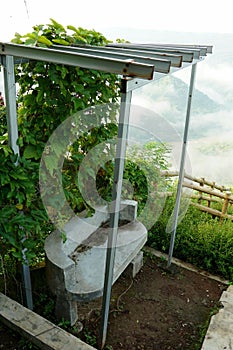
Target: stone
219, 335
135, 265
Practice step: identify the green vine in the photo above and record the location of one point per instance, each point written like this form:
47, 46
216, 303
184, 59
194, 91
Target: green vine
48, 94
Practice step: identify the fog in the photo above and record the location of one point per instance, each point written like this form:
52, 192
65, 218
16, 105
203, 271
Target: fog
210, 146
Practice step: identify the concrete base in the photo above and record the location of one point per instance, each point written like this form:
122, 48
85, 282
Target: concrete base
135, 266
66, 309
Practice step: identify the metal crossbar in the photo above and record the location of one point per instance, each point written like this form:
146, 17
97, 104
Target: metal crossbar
197, 50
160, 65
176, 60
118, 66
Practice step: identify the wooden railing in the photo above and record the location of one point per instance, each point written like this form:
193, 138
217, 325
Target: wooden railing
206, 194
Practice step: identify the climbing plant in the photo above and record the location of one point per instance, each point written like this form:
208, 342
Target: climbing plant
48, 93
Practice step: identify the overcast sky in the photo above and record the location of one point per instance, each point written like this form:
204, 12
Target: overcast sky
179, 15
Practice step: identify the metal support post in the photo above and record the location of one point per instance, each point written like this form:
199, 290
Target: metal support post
182, 165
10, 99
115, 207
12, 125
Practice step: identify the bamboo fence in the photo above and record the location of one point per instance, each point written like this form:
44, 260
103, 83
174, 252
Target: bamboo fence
207, 196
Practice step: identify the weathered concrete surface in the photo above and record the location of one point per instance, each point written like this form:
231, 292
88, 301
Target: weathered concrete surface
76, 268
220, 332
135, 266
38, 330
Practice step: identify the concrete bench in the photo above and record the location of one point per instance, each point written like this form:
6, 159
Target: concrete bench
76, 268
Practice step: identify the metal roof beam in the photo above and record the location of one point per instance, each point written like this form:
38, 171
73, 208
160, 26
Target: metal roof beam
110, 65
204, 49
160, 65
176, 60
187, 55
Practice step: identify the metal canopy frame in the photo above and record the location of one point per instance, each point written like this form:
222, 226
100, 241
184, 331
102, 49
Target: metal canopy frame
138, 64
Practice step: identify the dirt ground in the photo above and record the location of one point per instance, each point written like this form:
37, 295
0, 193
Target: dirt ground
157, 310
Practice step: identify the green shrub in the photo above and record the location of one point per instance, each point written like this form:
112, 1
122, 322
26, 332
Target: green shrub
200, 239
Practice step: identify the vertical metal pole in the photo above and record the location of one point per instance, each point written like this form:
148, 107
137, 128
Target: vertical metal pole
10, 99
182, 165
115, 207
12, 125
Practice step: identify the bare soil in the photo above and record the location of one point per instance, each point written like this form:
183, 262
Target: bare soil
158, 309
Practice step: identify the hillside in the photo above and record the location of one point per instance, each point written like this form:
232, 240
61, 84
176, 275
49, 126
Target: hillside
168, 98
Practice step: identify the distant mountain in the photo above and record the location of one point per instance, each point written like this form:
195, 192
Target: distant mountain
168, 98
175, 91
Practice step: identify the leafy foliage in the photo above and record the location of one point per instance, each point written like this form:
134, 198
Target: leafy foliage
22, 217
141, 174
3, 123
200, 239
48, 94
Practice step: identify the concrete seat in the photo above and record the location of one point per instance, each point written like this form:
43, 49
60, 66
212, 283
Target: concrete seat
76, 268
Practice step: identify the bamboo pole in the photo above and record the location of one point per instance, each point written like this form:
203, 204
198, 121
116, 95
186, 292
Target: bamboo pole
200, 191
206, 190
168, 173
211, 211
225, 204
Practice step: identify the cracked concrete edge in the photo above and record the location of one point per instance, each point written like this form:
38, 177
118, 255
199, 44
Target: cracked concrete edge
219, 335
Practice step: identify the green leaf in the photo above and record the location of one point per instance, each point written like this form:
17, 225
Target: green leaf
57, 25
64, 237
17, 39
6, 150
73, 28
31, 42
61, 42
31, 36
31, 152
18, 176
42, 39
80, 39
